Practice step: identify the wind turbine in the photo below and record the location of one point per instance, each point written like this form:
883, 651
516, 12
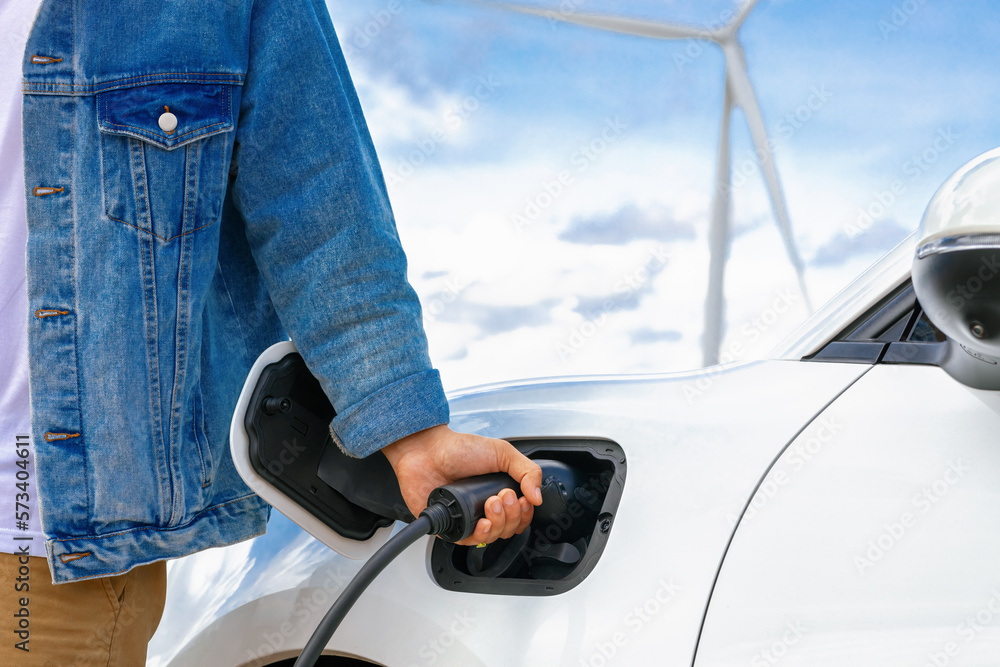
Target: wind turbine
738, 93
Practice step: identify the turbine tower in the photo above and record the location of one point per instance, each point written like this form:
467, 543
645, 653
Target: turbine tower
738, 93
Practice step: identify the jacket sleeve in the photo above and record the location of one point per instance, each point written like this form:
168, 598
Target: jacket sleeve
310, 190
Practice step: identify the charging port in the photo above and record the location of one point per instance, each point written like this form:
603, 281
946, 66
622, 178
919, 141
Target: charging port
291, 449
582, 482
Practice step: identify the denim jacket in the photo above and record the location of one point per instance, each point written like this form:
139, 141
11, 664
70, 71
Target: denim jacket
200, 184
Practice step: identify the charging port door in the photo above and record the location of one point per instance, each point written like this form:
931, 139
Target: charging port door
582, 483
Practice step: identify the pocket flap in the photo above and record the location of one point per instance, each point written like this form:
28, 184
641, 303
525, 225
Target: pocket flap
169, 115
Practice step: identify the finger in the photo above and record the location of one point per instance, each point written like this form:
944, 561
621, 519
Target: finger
479, 535
531, 482
527, 512
523, 469
498, 519
512, 513
489, 528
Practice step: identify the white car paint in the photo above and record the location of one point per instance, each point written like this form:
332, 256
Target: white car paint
694, 460
881, 546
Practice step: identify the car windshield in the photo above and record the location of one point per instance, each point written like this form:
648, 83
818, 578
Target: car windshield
877, 282
553, 183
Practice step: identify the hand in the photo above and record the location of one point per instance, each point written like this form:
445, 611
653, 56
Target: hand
437, 456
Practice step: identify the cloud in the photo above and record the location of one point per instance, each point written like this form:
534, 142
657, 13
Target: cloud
649, 335
627, 224
495, 319
880, 238
431, 275
628, 292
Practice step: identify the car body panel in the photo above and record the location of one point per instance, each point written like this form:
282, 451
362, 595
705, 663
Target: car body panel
697, 445
875, 545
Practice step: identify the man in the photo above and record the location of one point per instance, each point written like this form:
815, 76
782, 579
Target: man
199, 183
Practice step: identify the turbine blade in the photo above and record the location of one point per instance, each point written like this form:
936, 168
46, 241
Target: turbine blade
738, 79
743, 13
718, 242
638, 27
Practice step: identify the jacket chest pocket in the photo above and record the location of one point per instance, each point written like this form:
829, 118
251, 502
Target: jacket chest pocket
163, 155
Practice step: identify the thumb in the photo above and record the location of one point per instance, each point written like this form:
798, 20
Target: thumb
522, 469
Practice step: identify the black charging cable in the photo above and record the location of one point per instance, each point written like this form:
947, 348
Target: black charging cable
452, 513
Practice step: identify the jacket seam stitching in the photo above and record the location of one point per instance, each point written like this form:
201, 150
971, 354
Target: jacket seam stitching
153, 358
156, 529
104, 182
76, 307
146, 133
201, 438
151, 351
224, 172
152, 233
156, 560
205, 77
182, 320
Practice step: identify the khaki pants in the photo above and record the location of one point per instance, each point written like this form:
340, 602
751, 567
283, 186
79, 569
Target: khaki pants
105, 622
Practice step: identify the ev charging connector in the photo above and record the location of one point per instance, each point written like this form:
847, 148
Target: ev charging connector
452, 513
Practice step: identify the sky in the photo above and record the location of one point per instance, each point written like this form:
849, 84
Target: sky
552, 183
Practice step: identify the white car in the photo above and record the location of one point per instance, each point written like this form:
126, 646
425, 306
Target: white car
836, 504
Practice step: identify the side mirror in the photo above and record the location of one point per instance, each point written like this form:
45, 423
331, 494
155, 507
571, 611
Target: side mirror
956, 270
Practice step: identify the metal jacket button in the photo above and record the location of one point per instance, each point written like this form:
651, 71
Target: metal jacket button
168, 122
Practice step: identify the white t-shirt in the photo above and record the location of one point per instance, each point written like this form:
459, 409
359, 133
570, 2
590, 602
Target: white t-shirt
20, 528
